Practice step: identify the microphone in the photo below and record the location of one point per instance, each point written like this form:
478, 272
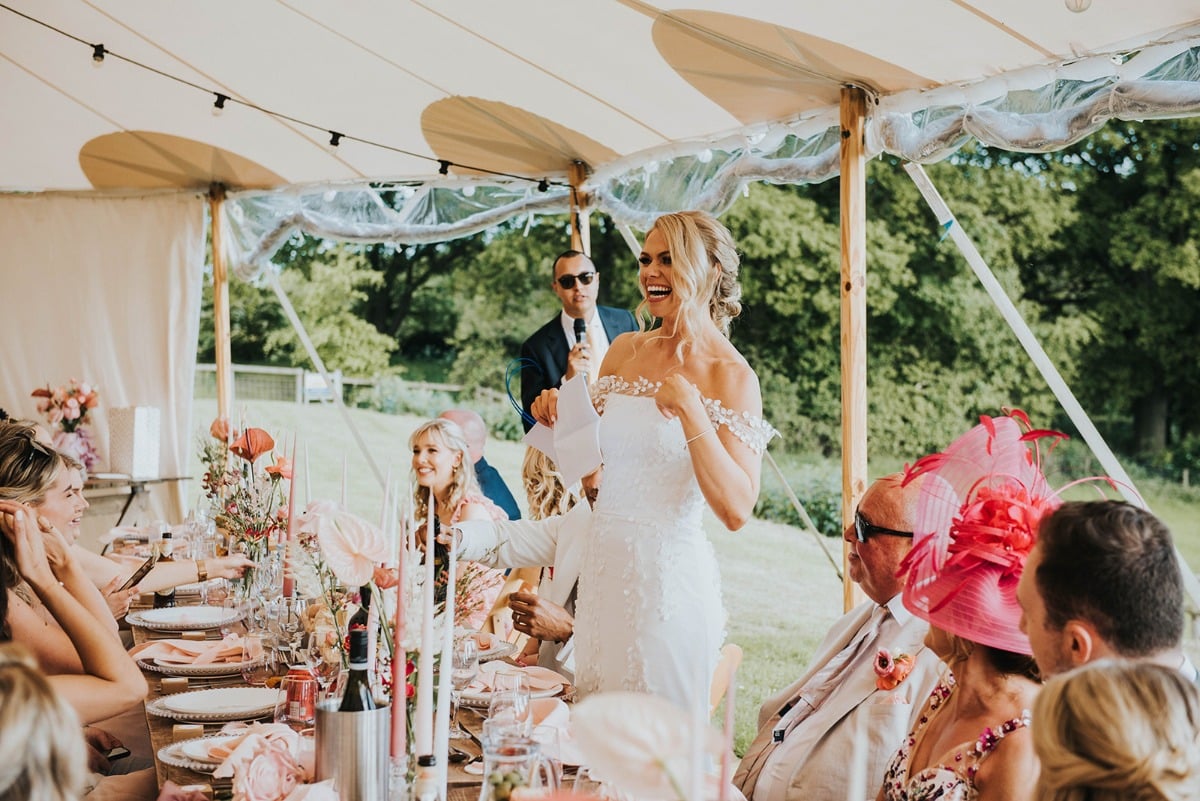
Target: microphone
580, 329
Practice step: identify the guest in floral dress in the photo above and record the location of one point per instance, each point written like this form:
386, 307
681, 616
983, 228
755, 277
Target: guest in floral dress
441, 461
981, 500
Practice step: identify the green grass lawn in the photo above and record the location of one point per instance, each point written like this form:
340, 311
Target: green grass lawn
780, 591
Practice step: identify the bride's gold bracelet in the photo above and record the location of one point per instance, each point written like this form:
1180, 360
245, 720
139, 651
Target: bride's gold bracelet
695, 437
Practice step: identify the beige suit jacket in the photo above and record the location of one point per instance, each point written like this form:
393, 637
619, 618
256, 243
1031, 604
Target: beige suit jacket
823, 744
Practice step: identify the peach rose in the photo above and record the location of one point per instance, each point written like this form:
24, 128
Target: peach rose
268, 776
890, 672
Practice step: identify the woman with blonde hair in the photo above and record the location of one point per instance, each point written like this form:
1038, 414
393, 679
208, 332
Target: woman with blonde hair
39, 734
441, 463
1118, 731
680, 427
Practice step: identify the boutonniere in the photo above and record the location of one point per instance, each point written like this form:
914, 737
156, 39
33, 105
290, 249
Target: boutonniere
889, 671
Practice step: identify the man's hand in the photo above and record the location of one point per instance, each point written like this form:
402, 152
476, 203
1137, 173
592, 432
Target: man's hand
579, 361
539, 618
119, 600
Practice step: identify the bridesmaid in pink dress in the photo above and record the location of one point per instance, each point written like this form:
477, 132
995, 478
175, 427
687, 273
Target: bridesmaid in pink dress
440, 460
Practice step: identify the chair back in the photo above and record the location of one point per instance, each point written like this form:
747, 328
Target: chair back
727, 665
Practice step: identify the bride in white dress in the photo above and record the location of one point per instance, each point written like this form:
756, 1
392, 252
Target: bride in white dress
680, 426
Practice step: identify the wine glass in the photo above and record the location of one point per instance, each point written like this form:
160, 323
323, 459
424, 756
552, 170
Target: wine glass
289, 619
324, 657
464, 668
510, 710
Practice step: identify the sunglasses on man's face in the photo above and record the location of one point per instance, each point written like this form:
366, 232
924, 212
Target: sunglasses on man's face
864, 530
568, 281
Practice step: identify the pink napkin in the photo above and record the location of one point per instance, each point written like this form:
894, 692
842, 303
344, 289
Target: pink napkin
191, 652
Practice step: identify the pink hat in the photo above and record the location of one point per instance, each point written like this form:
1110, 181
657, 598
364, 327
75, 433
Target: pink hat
977, 519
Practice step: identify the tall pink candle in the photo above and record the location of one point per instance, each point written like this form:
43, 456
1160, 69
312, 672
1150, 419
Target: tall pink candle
424, 722
289, 583
400, 660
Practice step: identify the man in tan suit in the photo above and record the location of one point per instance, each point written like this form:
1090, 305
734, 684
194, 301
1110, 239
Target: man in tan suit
806, 744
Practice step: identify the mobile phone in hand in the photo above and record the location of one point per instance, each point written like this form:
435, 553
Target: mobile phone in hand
140, 573
113, 754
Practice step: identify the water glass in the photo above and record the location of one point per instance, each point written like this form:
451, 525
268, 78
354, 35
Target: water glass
237, 615
464, 669
548, 740
510, 710
257, 656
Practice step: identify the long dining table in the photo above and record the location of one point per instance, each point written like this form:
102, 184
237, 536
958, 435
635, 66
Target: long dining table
462, 786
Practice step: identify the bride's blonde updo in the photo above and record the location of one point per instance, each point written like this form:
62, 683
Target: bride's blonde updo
1118, 731
704, 263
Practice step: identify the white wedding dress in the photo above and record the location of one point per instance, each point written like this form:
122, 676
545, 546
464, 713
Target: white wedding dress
649, 616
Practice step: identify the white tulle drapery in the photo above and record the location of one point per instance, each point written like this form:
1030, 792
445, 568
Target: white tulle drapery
1035, 110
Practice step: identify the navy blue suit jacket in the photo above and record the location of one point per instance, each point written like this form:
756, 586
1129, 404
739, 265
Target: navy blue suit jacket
492, 485
547, 348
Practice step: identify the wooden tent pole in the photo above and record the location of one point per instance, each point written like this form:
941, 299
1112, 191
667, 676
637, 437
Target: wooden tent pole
223, 354
853, 318
581, 232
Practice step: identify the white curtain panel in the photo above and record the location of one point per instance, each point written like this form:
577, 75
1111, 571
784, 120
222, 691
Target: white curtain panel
106, 290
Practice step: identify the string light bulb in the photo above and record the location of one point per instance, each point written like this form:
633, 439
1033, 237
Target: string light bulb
335, 138
219, 106
543, 185
98, 52
443, 167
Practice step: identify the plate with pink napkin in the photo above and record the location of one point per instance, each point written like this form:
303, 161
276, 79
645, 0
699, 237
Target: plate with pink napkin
191, 658
543, 682
201, 754
183, 618
491, 646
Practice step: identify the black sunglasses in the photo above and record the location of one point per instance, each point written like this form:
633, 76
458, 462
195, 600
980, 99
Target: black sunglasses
864, 530
568, 281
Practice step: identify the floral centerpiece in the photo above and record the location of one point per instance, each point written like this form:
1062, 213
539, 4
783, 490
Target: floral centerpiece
250, 499
66, 410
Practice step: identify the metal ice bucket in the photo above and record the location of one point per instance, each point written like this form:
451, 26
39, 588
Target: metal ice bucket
352, 749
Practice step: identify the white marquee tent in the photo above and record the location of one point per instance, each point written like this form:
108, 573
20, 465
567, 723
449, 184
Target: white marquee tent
475, 111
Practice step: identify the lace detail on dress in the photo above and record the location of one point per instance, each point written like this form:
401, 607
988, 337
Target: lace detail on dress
753, 431
946, 782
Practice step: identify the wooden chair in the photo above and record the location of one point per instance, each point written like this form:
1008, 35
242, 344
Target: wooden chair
731, 659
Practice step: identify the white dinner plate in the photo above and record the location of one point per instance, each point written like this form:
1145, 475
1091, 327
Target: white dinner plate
215, 705
484, 697
183, 618
222, 700
497, 646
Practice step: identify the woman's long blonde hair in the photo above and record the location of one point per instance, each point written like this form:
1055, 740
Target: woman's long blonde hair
704, 265
40, 735
1118, 731
544, 487
462, 482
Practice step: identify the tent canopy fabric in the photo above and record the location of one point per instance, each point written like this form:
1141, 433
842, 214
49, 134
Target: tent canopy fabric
666, 107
